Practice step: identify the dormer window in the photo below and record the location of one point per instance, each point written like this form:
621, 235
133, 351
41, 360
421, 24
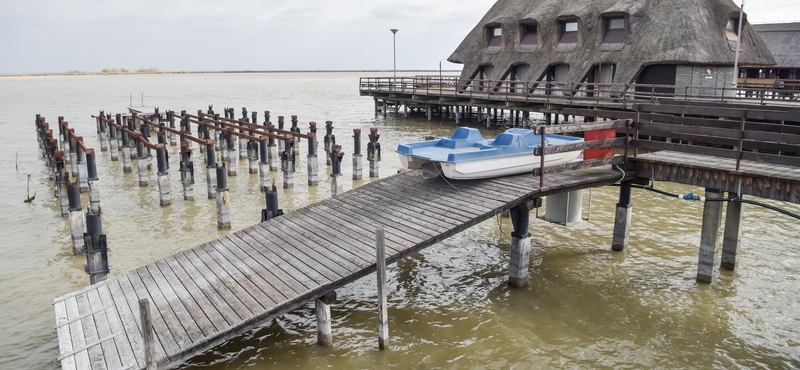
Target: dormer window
530, 34
495, 36
569, 32
732, 29
614, 31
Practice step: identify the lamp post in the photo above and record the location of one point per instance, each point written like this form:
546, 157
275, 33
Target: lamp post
394, 37
738, 48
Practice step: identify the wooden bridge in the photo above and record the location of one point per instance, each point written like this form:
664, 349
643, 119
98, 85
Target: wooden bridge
218, 290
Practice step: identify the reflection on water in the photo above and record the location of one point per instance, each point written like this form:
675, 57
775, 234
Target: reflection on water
450, 307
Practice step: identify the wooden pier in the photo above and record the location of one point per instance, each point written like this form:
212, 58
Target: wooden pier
206, 295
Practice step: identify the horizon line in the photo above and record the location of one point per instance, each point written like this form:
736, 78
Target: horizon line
217, 72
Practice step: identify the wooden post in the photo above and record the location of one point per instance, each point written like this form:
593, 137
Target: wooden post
96, 249
61, 184
288, 163
295, 138
272, 151
113, 143
383, 314
141, 164
322, 306
622, 219
732, 235
77, 224
263, 163
336, 170
148, 335
712, 221
520, 247
405, 110
242, 141
281, 143
163, 175
357, 162
385, 108
374, 153
211, 171
429, 111
223, 200
233, 162
376, 107
252, 153
458, 115
311, 160
330, 139
187, 171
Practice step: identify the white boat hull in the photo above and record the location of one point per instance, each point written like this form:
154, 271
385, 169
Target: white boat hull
492, 167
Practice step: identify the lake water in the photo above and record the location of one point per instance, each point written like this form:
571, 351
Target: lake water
450, 306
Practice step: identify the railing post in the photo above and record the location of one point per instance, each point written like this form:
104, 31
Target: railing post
383, 314
148, 335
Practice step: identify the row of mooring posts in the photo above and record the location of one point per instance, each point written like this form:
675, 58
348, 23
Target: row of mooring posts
260, 148
86, 230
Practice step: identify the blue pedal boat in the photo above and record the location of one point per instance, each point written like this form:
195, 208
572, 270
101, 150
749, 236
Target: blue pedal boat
467, 155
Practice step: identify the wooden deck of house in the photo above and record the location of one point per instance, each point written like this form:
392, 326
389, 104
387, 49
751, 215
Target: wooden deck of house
206, 295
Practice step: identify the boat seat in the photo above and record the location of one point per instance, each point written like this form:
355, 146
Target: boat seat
464, 137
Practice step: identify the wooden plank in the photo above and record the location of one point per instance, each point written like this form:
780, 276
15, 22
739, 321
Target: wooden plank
345, 246
268, 246
344, 209
381, 215
418, 215
64, 336
201, 309
276, 277
236, 287
130, 319
125, 346
617, 160
278, 267
580, 127
258, 288
190, 277
595, 144
187, 311
444, 216
76, 334
183, 328
456, 198
431, 198
697, 111
195, 267
300, 252
173, 338
342, 224
396, 212
321, 249
96, 357
111, 354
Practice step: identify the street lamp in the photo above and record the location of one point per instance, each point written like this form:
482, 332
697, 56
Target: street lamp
394, 37
738, 47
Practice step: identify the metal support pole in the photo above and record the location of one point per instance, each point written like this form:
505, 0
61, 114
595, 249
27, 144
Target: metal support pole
622, 220
93, 182
520, 247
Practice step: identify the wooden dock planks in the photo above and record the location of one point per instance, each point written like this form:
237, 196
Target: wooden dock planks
205, 295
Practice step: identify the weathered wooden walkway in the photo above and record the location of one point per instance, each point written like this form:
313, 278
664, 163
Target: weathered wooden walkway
206, 295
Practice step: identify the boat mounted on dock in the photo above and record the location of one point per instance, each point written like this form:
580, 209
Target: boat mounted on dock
468, 156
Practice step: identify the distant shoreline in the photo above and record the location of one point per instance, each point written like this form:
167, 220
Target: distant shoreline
208, 72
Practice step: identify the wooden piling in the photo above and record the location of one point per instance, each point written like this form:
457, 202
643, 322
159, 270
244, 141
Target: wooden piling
322, 307
709, 237
357, 162
520, 247
187, 171
732, 235
233, 162
288, 163
311, 160
374, 153
330, 139
622, 219
211, 171
163, 176
383, 314
223, 199
337, 187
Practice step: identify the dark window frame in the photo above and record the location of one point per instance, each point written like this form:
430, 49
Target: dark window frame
571, 37
524, 33
617, 35
491, 39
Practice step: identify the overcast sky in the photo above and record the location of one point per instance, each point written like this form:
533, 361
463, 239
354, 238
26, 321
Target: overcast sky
173, 35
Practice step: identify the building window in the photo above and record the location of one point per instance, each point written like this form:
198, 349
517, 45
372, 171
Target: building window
742, 73
793, 74
772, 74
615, 31
709, 74
732, 29
569, 32
530, 34
495, 36
762, 73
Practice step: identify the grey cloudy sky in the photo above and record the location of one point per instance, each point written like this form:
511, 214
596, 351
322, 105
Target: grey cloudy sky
89, 35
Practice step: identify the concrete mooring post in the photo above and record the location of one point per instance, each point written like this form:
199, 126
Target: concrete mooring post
357, 162
295, 129
211, 171
288, 162
163, 176
520, 247
141, 162
732, 236
62, 180
96, 249
223, 200
233, 162
83, 178
252, 155
337, 187
272, 210
127, 166
102, 134
263, 164
330, 140
374, 153
311, 160
242, 142
114, 140
93, 182
622, 219
281, 143
76, 221
187, 172
709, 236
383, 312
322, 306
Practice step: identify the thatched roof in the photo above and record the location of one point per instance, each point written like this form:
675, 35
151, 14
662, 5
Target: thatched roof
783, 40
661, 32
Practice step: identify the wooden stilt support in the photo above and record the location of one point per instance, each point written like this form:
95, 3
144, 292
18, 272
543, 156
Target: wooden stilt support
163, 176
733, 233
622, 220
323, 310
709, 237
520, 247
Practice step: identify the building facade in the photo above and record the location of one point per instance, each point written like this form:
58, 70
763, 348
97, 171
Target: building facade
783, 41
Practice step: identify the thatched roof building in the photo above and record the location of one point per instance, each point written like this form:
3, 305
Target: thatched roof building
557, 40
783, 40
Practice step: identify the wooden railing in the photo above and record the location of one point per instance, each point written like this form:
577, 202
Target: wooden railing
573, 92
